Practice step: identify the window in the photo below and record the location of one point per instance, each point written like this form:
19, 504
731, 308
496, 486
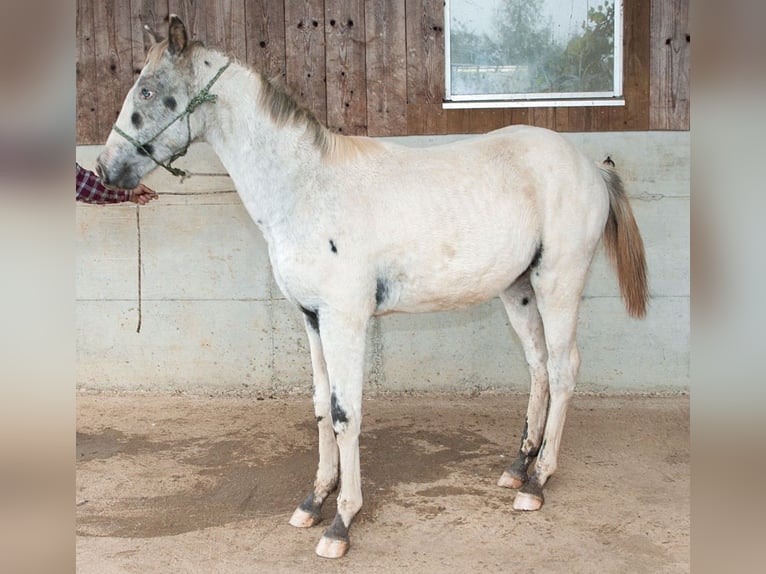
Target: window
527, 53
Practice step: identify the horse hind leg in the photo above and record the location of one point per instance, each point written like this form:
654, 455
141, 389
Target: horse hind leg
521, 306
558, 293
309, 512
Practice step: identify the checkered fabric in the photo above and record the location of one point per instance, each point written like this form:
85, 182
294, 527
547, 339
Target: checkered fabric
91, 190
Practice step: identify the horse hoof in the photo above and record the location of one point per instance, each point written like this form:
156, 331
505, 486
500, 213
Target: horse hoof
526, 501
303, 519
331, 547
509, 481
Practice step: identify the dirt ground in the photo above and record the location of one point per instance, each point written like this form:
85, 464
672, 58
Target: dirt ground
177, 484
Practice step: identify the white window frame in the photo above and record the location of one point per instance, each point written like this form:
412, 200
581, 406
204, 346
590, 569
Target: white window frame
532, 100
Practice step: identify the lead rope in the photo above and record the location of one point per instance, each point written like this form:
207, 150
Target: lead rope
138, 237
138, 232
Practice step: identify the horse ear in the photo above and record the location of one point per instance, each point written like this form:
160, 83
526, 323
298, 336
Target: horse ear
177, 39
153, 36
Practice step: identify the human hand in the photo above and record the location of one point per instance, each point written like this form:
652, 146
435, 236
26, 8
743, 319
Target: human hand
142, 194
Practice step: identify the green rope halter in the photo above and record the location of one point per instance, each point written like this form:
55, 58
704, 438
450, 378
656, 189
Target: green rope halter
200, 98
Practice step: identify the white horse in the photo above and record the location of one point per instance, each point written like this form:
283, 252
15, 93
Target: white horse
358, 228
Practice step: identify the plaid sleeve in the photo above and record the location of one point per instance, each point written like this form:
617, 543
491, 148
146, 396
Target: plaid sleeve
91, 190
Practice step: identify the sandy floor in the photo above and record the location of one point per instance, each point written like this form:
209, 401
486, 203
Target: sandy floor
171, 484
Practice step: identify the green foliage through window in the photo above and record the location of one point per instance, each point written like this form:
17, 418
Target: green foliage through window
532, 47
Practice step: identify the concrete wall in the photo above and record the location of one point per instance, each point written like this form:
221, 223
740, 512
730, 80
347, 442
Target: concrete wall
214, 321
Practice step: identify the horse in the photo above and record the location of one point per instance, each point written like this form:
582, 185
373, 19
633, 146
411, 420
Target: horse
358, 227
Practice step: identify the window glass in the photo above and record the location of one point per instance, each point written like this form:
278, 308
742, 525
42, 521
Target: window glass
533, 49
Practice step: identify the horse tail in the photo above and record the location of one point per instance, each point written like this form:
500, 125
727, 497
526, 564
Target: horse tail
624, 245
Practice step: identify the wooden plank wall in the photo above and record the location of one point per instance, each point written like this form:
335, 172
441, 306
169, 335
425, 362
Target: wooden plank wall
671, 42
372, 67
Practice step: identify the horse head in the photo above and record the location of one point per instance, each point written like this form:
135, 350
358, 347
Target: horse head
155, 124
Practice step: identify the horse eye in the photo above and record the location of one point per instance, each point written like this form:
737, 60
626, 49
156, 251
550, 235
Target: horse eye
146, 93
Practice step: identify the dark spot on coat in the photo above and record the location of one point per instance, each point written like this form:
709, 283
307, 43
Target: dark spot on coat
333, 248
533, 487
312, 318
207, 63
531, 451
336, 411
608, 161
525, 301
136, 120
170, 103
381, 291
146, 149
536, 259
320, 419
337, 530
312, 507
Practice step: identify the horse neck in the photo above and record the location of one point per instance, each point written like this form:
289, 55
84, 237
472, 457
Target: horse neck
263, 159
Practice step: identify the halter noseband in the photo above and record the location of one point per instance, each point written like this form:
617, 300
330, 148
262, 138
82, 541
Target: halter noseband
200, 98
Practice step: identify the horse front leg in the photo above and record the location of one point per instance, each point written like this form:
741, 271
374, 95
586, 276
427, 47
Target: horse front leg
343, 340
309, 512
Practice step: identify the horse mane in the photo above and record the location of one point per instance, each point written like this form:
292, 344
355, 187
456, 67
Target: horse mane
282, 108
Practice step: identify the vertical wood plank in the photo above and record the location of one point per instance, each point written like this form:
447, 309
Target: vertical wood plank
225, 23
386, 57
543, 118
486, 120
265, 32
153, 13
87, 115
635, 114
601, 120
521, 116
562, 119
215, 24
458, 121
345, 66
577, 119
670, 62
425, 67
114, 61
428, 119
305, 72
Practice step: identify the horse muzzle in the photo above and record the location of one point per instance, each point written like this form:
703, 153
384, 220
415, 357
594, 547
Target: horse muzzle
114, 172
